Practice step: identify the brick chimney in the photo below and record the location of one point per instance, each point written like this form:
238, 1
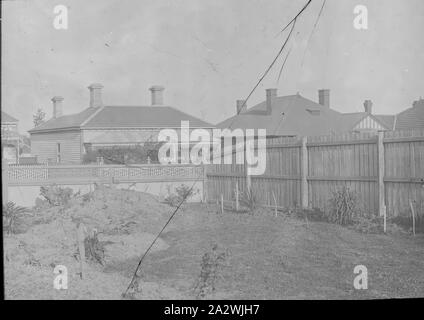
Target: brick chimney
324, 97
95, 95
57, 107
418, 103
271, 94
368, 106
241, 106
157, 95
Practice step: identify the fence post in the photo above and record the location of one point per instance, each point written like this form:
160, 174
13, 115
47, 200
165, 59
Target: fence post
5, 180
381, 192
304, 174
205, 183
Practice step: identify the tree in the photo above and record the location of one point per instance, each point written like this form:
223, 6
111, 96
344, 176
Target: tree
38, 117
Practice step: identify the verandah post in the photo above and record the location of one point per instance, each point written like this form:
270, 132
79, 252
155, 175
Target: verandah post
5, 180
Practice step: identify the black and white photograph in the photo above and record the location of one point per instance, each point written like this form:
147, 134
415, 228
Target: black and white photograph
221, 152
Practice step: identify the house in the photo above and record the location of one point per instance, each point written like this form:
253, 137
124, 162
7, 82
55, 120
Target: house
68, 138
367, 121
10, 138
292, 115
296, 115
412, 118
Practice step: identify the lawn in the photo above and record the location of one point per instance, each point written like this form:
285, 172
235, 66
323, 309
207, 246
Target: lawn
267, 256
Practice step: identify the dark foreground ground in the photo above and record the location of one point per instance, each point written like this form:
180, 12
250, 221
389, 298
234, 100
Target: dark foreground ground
268, 257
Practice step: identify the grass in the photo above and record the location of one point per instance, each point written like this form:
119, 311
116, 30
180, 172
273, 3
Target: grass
269, 257
284, 258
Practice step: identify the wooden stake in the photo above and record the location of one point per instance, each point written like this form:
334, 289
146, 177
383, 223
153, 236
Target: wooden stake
413, 217
222, 203
237, 197
385, 221
81, 247
275, 204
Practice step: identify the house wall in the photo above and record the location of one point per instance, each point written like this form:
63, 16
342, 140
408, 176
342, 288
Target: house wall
44, 146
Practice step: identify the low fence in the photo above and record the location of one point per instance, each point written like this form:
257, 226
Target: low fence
18, 175
386, 170
21, 183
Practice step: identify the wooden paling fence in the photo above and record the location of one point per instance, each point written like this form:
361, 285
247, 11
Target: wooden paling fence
385, 170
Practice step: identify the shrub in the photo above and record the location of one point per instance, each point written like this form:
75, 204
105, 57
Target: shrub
344, 208
11, 214
212, 262
125, 154
183, 192
250, 199
55, 195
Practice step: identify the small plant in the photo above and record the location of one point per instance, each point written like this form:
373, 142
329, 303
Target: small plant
183, 192
250, 199
344, 209
212, 262
11, 214
55, 195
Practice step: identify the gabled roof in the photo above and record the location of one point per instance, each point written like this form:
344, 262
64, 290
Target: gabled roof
5, 117
65, 122
412, 118
290, 116
351, 119
123, 117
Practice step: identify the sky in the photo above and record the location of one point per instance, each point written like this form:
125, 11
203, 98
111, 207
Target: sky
209, 53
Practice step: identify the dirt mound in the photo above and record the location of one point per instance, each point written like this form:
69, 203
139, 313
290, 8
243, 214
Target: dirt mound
126, 223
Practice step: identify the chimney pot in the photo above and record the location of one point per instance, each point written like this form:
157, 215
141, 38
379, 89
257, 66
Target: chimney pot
57, 106
271, 94
324, 97
241, 106
368, 106
157, 95
418, 103
95, 95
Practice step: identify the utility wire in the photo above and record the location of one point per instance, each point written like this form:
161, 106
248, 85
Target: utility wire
282, 66
292, 23
300, 12
313, 30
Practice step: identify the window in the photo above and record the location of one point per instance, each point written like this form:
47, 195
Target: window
58, 153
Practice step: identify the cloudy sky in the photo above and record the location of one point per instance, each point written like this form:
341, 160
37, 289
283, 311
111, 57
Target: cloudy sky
208, 53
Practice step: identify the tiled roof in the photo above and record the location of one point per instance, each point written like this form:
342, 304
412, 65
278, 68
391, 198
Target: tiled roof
123, 117
5, 117
143, 117
291, 115
412, 118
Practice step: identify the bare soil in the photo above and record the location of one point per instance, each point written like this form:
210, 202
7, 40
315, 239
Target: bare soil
270, 257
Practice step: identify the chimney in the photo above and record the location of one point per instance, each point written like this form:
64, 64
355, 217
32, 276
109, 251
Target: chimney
271, 94
57, 107
95, 95
324, 97
241, 106
368, 106
418, 103
157, 95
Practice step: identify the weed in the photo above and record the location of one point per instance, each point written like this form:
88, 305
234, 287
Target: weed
344, 209
11, 214
212, 262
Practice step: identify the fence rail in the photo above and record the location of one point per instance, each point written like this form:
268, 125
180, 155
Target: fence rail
386, 170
